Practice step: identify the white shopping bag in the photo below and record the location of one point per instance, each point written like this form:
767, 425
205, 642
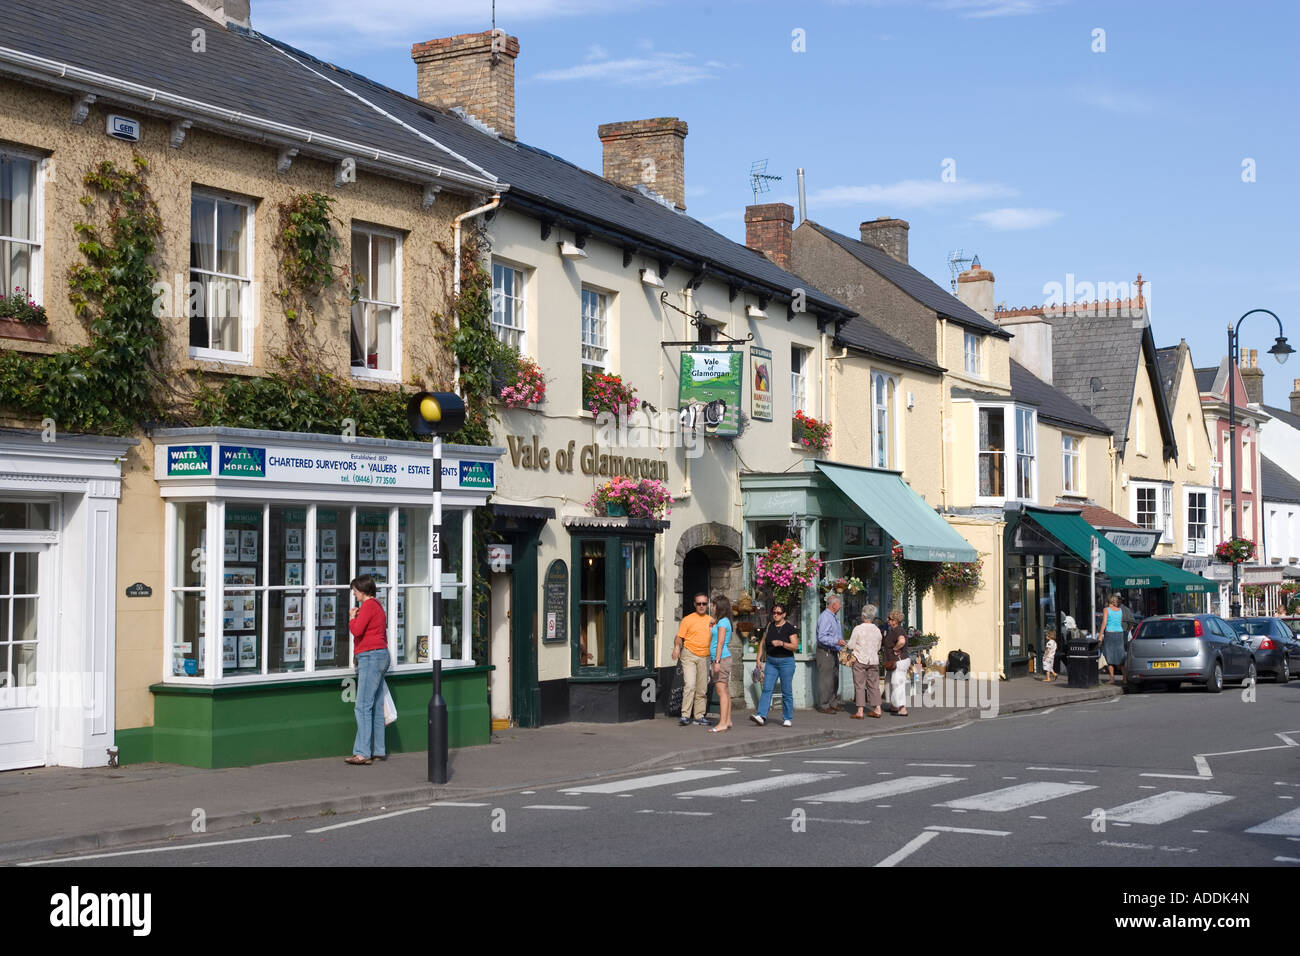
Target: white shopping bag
390, 709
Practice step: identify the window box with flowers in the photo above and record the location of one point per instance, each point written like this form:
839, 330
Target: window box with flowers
521, 384
1235, 551
603, 392
622, 497
809, 432
22, 318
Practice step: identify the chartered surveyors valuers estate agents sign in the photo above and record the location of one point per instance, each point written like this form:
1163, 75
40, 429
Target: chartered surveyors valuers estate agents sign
320, 467
713, 380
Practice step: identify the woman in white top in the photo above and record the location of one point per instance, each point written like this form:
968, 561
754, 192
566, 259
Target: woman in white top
865, 645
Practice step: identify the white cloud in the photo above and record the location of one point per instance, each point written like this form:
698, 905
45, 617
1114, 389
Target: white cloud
1114, 101
1008, 219
908, 193
979, 9
656, 69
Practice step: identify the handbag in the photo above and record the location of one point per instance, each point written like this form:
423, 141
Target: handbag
757, 675
891, 665
390, 708
847, 657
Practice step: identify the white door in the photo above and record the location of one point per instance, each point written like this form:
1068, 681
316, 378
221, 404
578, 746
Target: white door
24, 643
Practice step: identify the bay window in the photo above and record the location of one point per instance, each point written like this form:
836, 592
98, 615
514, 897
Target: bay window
1026, 460
999, 476
992, 452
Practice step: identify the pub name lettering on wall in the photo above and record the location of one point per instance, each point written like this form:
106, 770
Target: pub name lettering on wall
534, 456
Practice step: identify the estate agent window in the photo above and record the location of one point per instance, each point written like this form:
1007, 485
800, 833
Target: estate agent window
614, 598
277, 597
510, 307
20, 222
221, 278
595, 331
377, 313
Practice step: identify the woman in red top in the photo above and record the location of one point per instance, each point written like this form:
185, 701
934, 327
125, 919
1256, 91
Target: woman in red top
369, 627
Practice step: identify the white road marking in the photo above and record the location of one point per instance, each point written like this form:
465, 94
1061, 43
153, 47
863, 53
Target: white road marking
911, 847
1063, 769
837, 761
654, 780
1016, 798
453, 803
554, 806
762, 785
680, 813
1286, 859
999, 833
527, 793
158, 849
1036, 713
744, 760
1126, 846
1284, 796
1203, 765
1163, 807
382, 816
1200, 831
886, 788
830, 820
1288, 824
941, 765
860, 740
1034, 817
1010, 778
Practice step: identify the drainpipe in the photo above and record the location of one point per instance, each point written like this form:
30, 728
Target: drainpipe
1000, 564
455, 282
834, 390
943, 420
821, 391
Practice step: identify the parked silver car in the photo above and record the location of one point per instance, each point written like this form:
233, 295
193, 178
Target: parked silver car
1196, 648
1276, 648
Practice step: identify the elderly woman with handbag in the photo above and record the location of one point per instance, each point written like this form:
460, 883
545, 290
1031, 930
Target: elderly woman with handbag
896, 660
864, 650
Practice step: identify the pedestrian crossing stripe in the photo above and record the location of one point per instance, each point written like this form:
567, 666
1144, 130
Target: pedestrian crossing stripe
1015, 798
762, 785
1164, 807
1288, 824
656, 780
886, 788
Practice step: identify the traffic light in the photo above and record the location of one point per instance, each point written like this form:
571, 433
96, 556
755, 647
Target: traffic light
435, 413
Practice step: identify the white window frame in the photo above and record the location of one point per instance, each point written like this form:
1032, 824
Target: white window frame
893, 446
600, 343
36, 244
1071, 463
1159, 522
515, 307
1244, 464
395, 373
800, 399
1030, 453
247, 303
1190, 545
1167, 514
1011, 454
972, 353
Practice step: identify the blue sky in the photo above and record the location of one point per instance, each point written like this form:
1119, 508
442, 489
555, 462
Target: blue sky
1066, 160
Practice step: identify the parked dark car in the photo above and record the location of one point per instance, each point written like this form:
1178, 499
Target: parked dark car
1194, 648
1276, 648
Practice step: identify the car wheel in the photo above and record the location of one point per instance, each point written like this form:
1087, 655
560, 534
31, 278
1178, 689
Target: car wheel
1252, 677
1284, 672
1215, 682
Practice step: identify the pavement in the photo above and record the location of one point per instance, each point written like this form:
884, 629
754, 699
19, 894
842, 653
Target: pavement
53, 810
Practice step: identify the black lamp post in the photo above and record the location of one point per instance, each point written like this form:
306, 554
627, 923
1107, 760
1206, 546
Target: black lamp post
1280, 351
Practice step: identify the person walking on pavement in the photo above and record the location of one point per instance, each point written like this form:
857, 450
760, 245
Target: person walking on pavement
1049, 655
720, 660
691, 647
895, 654
830, 638
865, 642
776, 655
1112, 644
369, 626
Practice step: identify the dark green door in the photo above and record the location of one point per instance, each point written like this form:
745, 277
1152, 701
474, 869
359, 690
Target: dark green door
525, 694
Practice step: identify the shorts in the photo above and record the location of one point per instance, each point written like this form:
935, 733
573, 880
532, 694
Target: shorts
722, 673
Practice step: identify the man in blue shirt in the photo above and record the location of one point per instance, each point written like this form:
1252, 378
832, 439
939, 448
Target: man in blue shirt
830, 638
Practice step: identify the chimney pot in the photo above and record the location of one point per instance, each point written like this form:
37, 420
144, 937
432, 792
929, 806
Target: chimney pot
475, 71
648, 152
888, 235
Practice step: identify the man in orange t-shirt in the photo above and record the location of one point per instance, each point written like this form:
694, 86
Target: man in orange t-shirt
691, 647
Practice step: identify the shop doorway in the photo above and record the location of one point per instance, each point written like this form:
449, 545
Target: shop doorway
25, 648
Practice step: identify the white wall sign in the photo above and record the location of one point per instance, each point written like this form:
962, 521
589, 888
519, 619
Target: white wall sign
123, 127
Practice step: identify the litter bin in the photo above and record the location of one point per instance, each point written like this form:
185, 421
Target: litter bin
1082, 652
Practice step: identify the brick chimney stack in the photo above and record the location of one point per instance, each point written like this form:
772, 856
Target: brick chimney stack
648, 152
768, 229
475, 71
1295, 396
889, 235
226, 12
1252, 376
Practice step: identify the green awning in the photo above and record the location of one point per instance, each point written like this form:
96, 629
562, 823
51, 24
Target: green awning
884, 498
1180, 581
1076, 536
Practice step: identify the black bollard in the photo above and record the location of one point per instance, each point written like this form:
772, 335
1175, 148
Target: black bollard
437, 729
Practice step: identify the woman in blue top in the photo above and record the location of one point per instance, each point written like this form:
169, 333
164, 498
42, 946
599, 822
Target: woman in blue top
720, 658
1112, 644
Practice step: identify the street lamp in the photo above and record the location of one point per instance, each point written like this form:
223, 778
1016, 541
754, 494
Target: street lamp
436, 414
1280, 351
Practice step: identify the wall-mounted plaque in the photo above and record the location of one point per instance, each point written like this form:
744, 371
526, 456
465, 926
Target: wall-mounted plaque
555, 603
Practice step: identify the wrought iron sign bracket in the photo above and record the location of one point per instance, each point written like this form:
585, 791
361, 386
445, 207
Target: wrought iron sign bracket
699, 320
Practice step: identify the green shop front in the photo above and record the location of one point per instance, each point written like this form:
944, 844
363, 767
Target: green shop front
849, 518
1049, 578
263, 533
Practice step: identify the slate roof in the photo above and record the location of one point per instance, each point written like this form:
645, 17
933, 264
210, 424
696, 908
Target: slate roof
148, 42
1054, 406
548, 187
1205, 378
1276, 483
860, 334
1167, 361
913, 283
1283, 415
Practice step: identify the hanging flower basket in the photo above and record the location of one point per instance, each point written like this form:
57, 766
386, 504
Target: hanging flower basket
602, 392
960, 577
633, 498
526, 387
786, 570
1235, 551
809, 432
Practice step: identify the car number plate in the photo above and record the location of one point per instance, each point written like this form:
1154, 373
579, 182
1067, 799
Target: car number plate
1164, 663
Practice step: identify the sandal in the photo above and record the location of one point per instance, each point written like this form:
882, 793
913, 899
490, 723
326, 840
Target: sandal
357, 760
874, 713
901, 712
718, 730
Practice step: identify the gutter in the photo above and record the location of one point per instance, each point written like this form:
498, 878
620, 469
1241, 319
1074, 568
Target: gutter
76, 79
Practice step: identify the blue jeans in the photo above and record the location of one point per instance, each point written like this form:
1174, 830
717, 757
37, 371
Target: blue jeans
782, 667
371, 668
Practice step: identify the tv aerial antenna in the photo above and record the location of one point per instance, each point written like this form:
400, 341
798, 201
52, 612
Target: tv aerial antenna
760, 181
958, 263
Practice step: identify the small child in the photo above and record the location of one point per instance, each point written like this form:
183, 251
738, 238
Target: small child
1049, 655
